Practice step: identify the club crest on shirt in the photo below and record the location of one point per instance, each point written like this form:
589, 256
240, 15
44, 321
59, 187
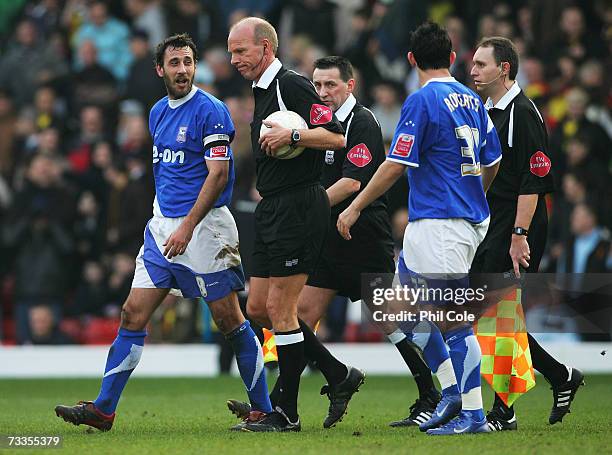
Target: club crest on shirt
359, 155
403, 146
329, 157
182, 134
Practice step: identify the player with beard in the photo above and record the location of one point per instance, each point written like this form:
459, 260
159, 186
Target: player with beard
191, 243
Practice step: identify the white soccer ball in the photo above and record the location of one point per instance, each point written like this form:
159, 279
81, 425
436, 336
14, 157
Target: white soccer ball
287, 119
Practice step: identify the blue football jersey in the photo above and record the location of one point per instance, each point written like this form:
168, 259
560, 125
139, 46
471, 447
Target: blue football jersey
185, 133
445, 135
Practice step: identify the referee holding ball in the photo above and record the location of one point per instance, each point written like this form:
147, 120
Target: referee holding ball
292, 219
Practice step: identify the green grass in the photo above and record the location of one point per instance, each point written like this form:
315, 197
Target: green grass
186, 415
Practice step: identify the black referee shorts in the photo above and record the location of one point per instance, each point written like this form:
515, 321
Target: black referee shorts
342, 262
493, 254
290, 230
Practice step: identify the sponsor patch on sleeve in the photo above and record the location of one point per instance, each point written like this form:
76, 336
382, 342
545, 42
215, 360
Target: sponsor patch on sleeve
539, 164
359, 155
219, 151
403, 146
320, 114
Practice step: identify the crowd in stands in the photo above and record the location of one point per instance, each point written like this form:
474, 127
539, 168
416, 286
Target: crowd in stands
77, 81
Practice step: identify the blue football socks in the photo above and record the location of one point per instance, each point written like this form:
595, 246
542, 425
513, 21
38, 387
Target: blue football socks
123, 356
249, 357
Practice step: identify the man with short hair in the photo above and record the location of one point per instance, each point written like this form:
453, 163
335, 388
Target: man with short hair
292, 219
447, 140
339, 268
191, 243
370, 250
518, 206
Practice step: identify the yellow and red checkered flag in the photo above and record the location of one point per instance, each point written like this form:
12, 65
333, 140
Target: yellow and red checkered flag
269, 347
506, 359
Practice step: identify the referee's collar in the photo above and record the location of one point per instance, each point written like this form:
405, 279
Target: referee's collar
268, 75
506, 99
346, 108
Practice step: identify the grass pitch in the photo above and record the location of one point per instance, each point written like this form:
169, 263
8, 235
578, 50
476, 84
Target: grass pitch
187, 415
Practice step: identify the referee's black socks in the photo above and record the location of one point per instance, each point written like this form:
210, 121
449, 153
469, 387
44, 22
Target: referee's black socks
334, 371
314, 351
290, 349
556, 373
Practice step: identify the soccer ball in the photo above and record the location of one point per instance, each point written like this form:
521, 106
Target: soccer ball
287, 119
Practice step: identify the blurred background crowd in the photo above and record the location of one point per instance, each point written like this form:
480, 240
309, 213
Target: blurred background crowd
77, 81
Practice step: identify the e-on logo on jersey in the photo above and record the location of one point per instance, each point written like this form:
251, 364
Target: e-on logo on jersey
168, 156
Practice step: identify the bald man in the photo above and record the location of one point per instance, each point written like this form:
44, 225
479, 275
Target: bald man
291, 220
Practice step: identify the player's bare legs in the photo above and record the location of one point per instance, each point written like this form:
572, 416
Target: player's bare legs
256, 302
139, 306
282, 302
313, 303
226, 313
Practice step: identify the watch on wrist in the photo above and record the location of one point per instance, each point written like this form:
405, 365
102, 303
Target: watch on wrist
520, 231
295, 137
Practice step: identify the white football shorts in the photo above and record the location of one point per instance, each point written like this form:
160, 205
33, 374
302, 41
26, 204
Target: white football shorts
210, 267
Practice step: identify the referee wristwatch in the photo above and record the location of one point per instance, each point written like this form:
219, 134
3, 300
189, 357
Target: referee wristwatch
520, 231
295, 137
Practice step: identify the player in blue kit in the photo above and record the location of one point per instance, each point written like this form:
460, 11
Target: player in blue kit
191, 243
449, 145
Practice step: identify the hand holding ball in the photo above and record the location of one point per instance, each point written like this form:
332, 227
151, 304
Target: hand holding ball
286, 119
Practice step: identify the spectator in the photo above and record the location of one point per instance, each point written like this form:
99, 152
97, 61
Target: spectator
110, 36
575, 122
135, 205
91, 130
593, 80
44, 327
148, 15
587, 252
227, 82
8, 137
41, 64
91, 295
38, 234
142, 84
463, 63
46, 14
120, 280
315, 19
93, 84
201, 20
89, 229
575, 40
386, 108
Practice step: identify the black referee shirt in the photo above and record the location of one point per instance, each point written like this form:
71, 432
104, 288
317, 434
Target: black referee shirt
282, 89
525, 167
364, 152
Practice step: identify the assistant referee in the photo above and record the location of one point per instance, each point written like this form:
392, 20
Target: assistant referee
291, 220
519, 222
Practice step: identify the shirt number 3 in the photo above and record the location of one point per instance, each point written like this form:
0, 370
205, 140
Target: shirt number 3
472, 137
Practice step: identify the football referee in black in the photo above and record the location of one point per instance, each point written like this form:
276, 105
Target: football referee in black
519, 222
338, 272
292, 219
